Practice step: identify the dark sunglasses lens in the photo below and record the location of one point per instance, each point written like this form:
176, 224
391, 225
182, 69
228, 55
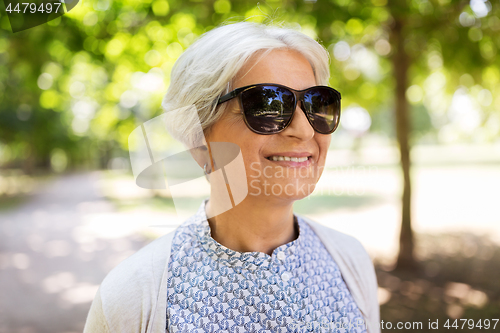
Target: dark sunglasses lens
322, 106
267, 109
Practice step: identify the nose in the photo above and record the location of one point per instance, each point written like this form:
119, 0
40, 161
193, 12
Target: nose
299, 127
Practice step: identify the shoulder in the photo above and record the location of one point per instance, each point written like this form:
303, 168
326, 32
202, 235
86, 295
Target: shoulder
129, 292
340, 241
348, 252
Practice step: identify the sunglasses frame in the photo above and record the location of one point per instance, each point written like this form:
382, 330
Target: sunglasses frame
298, 95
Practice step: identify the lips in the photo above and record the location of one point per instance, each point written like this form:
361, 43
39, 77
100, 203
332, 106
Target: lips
288, 158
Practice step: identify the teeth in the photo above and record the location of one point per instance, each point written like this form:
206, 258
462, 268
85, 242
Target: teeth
287, 158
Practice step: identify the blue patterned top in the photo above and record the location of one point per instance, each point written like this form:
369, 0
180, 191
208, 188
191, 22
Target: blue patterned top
298, 288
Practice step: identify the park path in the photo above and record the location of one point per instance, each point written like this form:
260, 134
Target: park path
52, 260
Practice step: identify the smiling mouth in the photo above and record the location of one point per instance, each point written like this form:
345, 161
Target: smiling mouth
288, 158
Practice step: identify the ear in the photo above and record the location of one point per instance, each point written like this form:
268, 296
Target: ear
202, 156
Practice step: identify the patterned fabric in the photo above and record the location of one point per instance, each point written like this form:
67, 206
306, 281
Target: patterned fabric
298, 288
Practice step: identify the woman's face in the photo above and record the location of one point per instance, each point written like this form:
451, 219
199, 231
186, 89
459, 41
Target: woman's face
288, 180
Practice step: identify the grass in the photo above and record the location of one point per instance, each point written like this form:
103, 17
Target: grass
8, 203
16, 187
322, 204
155, 203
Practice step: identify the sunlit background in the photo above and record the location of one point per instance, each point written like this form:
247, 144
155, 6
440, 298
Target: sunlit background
73, 89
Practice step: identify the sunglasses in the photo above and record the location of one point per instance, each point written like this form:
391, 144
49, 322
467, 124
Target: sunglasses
268, 108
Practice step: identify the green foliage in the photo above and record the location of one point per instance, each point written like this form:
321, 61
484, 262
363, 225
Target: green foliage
90, 77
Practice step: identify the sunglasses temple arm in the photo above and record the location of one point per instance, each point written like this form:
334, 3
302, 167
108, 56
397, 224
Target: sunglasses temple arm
229, 96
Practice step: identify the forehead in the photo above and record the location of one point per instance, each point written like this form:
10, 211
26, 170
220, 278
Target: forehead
286, 67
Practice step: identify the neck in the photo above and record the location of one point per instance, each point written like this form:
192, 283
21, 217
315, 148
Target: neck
255, 225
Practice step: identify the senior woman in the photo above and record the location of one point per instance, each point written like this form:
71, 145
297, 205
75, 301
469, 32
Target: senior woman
257, 266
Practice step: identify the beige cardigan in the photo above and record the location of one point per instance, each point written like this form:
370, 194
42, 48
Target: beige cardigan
133, 296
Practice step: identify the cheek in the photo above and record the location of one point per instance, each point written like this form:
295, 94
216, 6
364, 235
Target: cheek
252, 159
323, 144
251, 145
325, 141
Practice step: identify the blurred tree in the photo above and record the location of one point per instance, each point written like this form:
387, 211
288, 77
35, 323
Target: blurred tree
428, 39
417, 28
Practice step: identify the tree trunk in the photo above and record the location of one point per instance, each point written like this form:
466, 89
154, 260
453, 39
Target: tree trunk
401, 63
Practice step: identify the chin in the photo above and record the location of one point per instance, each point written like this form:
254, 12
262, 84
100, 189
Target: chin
293, 190
300, 192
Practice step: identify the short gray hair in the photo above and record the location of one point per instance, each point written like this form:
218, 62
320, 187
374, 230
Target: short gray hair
205, 71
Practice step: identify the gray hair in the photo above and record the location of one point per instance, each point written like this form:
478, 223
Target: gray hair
205, 71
